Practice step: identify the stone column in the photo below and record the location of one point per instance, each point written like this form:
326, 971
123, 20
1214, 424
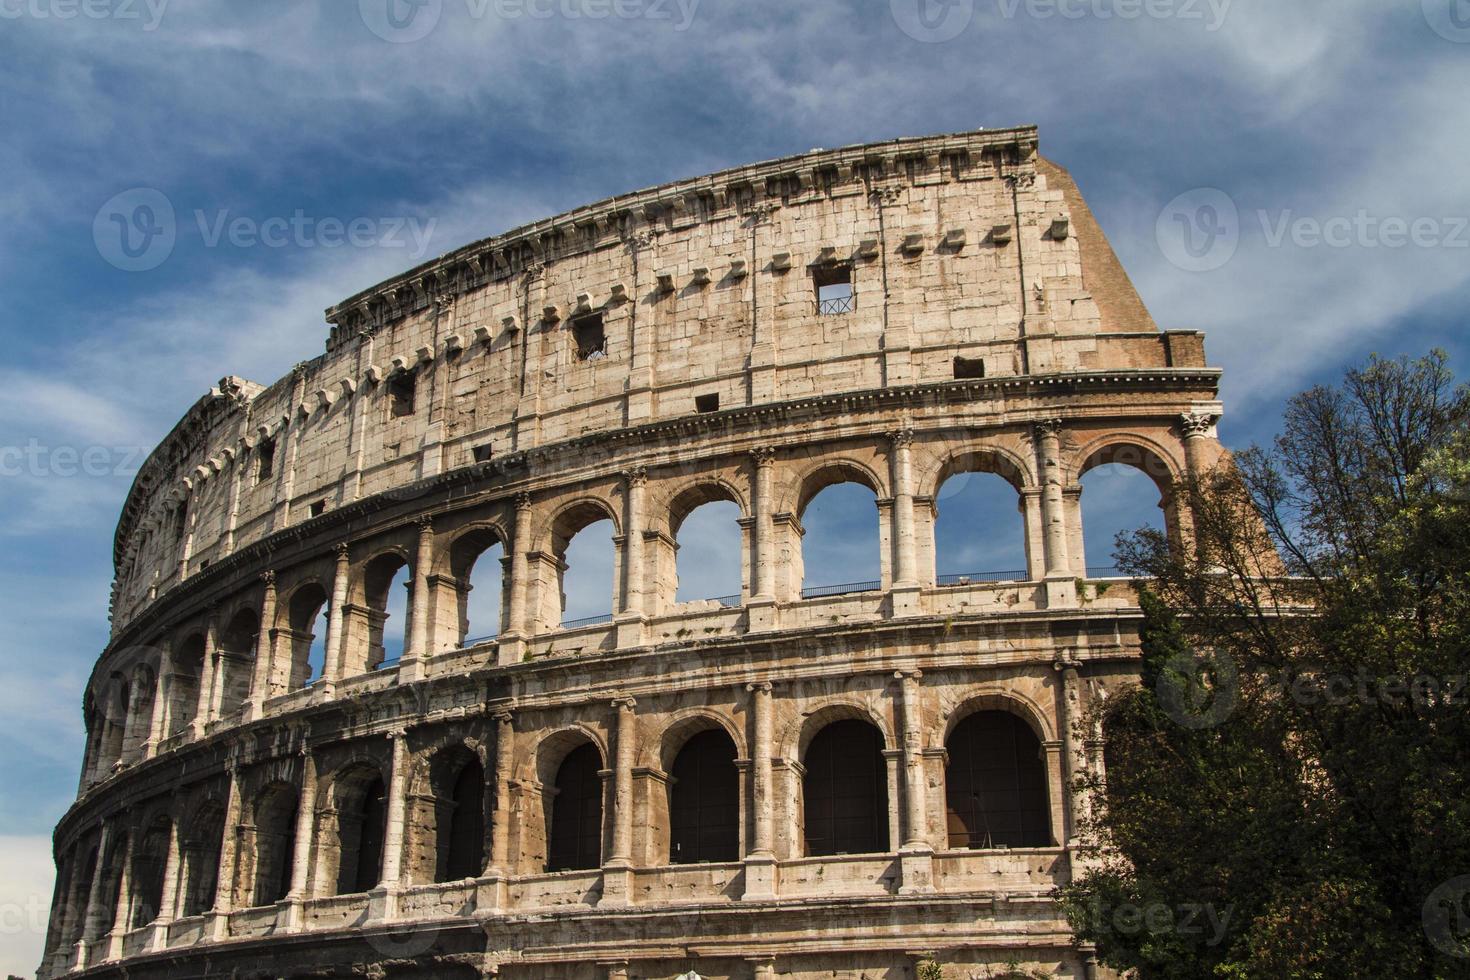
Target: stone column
161, 685
132, 743
397, 805
762, 602
617, 876
302, 844
1198, 427
500, 813
204, 707
760, 863
905, 564
224, 887
94, 920
122, 909
1061, 590
169, 902
411, 667
916, 862
264, 651
1070, 710
633, 617
336, 635
512, 644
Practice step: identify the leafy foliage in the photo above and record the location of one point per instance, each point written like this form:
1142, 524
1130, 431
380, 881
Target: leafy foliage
1287, 792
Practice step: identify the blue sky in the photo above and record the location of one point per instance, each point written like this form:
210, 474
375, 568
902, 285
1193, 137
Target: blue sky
1343, 116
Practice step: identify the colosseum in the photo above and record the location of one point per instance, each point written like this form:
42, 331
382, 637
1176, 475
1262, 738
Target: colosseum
868, 780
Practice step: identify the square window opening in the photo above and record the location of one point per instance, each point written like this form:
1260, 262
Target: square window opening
590, 338
482, 453
266, 460
400, 394
707, 403
834, 288
318, 508
969, 367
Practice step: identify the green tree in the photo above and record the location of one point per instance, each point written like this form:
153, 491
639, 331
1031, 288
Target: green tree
1287, 791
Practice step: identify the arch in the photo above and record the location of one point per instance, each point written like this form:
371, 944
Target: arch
997, 460
1115, 506
574, 828
683, 725
187, 674
586, 567
146, 878
704, 800
833, 558
828, 472
707, 490
995, 784
237, 643
306, 615
798, 736
845, 790
979, 528
274, 818
708, 543
460, 829
201, 841
115, 722
1012, 702
385, 590
474, 568
360, 796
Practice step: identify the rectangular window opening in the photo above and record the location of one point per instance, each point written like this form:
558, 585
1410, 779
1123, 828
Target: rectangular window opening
400, 394
707, 403
969, 367
588, 335
266, 460
834, 288
318, 508
482, 453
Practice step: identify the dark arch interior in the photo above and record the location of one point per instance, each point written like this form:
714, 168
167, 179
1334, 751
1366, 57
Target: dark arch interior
201, 858
845, 790
995, 784
462, 828
361, 825
275, 840
237, 653
704, 801
147, 875
576, 812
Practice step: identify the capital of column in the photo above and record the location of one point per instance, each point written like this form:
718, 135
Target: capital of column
1196, 424
911, 673
1047, 427
901, 437
425, 523
268, 578
623, 703
763, 455
342, 548
523, 501
764, 687
636, 476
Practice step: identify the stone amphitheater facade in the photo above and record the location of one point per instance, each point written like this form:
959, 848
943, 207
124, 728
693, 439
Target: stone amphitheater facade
776, 784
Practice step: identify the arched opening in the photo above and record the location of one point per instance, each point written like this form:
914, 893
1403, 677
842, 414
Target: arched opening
575, 839
188, 669
708, 544
995, 784
307, 618
461, 819
476, 560
112, 876
845, 790
237, 660
275, 841
201, 845
149, 858
362, 817
115, 726
140, 717
979, 523
386, 584
704, 800
586, 563
1124, 488
841, 549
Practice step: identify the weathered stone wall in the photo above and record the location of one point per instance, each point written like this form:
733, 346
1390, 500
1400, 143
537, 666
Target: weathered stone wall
299, 825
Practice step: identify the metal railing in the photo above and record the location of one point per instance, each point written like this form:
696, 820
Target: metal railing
1106, 571
966, 578
813, 592
837, 304
571, 624
474, 641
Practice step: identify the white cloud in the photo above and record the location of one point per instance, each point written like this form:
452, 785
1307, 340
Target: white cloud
25, 898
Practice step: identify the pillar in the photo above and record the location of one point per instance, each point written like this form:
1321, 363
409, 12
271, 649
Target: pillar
905, 588
762, 603
916, 863
336, 638
500, 813
122, 909
204, 707
302, 845
160, 697
264, 651
93, 921
1197, 427
617, 878
411, 667
224, 886
1061, 589
633, 618
169, 903
397, 805
1070, 712
760, 863
512, 643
